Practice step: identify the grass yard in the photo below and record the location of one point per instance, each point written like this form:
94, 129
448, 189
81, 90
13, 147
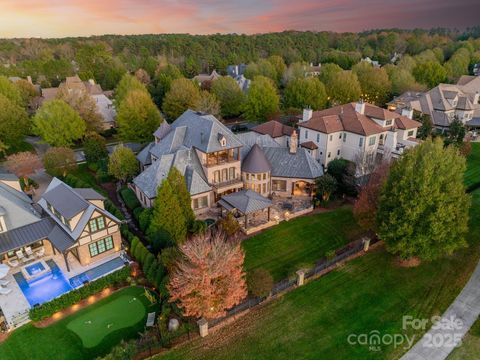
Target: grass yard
89, 333
285, 248
472, 175
367, 294
470, 348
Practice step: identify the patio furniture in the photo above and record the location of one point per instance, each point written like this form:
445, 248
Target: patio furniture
4, 269
13, 262
5, 291
20, 256
4, 282
28, 251
150, 319
40, 252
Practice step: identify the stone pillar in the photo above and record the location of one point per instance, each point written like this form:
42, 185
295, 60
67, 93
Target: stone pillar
300, 277
366, 244
203, 327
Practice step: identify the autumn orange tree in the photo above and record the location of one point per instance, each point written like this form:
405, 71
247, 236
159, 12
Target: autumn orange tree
209, 277
366, 206
23, 164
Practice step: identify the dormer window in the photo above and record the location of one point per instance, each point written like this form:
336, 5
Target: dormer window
388, 122
222, 139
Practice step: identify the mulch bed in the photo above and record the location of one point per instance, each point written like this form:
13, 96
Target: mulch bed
412, 262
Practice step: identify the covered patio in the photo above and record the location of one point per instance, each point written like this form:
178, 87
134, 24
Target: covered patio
251, 209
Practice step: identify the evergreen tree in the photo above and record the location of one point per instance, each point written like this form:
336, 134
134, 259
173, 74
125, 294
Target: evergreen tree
168, 214
423, 210
179, 188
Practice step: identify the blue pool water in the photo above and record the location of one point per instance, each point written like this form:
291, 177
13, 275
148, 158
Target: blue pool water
97, 272
34, 268
44, 288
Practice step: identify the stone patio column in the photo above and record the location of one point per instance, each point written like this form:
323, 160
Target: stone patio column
300, 277
203, 327
366, 244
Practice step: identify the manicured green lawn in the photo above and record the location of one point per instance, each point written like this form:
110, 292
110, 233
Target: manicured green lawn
94, 325
285, 248
74, 338
470, 348
472, 175
367, 294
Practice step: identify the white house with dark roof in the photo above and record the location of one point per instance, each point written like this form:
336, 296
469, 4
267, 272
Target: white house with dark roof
216, 162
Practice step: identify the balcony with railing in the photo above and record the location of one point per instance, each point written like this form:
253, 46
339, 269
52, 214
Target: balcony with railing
231, 182
222, 157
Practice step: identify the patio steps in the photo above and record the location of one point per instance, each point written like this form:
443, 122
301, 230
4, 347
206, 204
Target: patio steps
19, 319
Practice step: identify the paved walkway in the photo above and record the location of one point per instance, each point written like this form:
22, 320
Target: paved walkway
437, 344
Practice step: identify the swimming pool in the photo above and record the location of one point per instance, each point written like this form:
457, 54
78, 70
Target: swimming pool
44, 288
97, 272
34, 268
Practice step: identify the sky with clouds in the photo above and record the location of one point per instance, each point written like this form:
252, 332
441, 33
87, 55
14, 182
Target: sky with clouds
60, 18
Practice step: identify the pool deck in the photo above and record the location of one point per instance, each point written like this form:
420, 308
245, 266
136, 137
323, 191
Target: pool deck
15, 305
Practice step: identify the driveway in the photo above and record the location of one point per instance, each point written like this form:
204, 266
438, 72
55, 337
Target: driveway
440, 341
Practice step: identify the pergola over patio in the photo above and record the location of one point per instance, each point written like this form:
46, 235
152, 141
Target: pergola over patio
40, 231
246, 203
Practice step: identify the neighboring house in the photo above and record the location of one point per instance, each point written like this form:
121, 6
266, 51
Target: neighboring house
476, 69
243, 83
236, 70
215, 162
204, 79
104, 105
313, 70
374, 63
61, 243
67, 221
279, 132
445, 102
354, 130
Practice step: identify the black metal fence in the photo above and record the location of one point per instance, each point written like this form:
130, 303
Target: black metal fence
288, 284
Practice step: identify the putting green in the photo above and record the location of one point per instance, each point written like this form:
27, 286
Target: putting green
93, 326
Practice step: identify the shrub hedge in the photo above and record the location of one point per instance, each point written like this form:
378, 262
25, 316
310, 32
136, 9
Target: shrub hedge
130, 198
48, 309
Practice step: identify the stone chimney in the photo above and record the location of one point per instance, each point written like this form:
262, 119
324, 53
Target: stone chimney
91, 81
293, 142
476, 98
360, 107
307, 114
408, 112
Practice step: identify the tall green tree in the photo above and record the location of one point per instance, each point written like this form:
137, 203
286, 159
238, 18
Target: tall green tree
122, 164
279, 65
138, 117
168, 215
179, 187
423, 210
14, 122
456, 133
230, 95
375, 84
127, 84
95, 148
305, 92
58, 123
59, 161
262, 67
328, 72
11, 92
262, 100
208, 103
430, 73
344, 88
163, 80
183, 95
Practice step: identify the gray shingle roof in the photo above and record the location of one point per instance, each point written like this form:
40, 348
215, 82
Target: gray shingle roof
246, 201
144, 156
162, 130
186, 161
89, 194
299, 165
250, 138
256, 162
65, 201
194, 129
17, 207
